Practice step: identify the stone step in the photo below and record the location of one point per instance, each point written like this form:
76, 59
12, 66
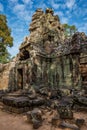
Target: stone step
17, 102
15, 110
21, 104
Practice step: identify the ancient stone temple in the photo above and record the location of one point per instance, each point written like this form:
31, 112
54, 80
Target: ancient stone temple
46, 58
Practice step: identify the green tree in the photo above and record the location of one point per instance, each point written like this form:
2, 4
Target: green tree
6, 40
69, 30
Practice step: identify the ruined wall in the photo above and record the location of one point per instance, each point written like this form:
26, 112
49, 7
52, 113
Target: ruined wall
58, 72
83, 68
7, 76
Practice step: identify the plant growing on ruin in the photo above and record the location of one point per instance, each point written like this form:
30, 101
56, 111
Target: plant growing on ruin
69, 30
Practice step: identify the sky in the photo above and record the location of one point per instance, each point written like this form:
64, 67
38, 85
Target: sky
19, 14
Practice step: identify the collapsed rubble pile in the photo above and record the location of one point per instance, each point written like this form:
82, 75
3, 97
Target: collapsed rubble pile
37, 104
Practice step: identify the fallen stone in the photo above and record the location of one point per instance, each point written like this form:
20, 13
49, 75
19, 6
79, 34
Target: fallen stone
32, 96
35, 117
81, 101
68, 125
36, 124
65, 112
38, 102
67, 101
43, 91
79, 108
55, 94
56, 120
80, 122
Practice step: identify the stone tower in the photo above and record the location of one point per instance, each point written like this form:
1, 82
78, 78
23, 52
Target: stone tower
46, 32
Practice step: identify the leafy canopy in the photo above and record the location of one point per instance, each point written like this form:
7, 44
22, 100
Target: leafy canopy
6, 40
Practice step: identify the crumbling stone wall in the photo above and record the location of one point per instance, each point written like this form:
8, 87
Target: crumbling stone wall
59, 72
7, 76
83, 69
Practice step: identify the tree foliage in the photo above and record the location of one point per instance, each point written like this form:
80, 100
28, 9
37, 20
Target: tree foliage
69, 30
6, 40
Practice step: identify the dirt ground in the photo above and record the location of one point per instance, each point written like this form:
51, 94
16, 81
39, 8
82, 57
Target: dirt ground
10, 121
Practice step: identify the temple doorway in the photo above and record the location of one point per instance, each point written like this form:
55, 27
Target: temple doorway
20, 79
84, 80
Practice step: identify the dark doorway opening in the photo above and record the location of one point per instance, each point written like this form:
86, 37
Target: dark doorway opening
24, 55
84, 79
20, 79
